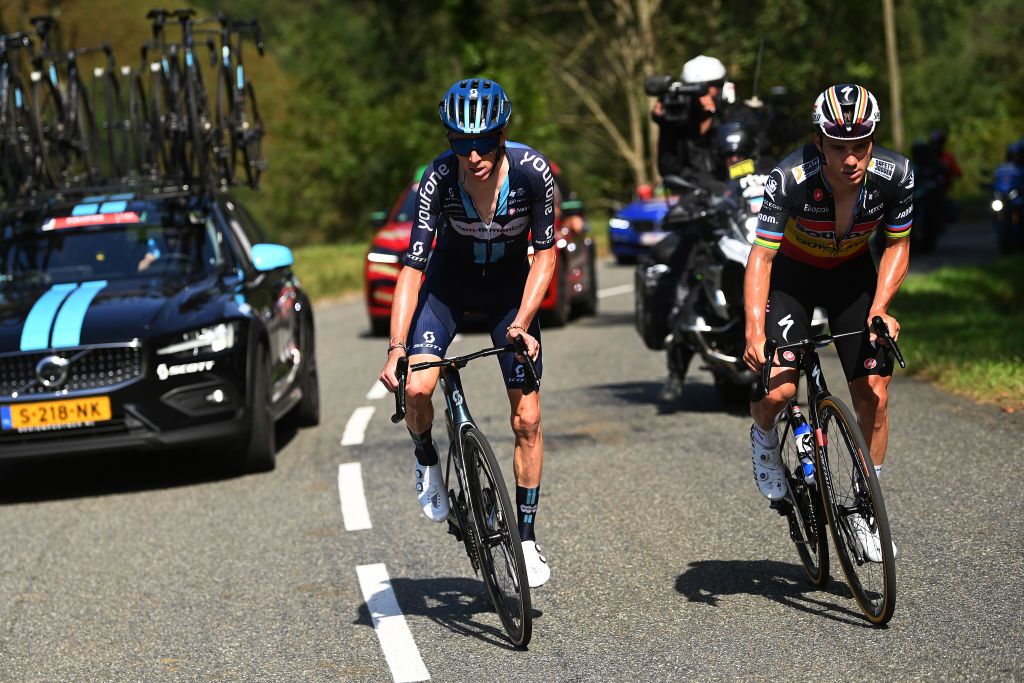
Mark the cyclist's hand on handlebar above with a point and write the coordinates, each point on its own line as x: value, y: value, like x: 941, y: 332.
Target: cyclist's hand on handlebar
x: 389, y: 376
x: 890, y: 322
x: 532, y: 345
x: 753, y: 355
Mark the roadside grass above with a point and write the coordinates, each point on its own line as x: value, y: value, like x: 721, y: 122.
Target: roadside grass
x: 963, y: 328
x: 328, y: 271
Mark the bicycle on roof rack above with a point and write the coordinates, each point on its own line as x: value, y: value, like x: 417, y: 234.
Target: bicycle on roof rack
x: 845, y: 491
x: 481, y: 514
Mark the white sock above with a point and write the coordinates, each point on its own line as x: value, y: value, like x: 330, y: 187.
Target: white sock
x: 769, y: 438
x: 878, y: 472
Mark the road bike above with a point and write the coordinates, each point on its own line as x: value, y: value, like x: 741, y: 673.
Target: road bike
x: 481, y: 515
x: 845, y: 491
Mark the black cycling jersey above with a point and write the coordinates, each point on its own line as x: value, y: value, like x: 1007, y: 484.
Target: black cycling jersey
x: 525, y: 215
x: 798, y: 215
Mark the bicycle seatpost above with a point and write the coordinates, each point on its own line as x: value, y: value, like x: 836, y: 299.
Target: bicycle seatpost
x: 402, y: 372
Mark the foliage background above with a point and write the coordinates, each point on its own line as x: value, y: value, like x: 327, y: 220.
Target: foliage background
x: 349, y: 89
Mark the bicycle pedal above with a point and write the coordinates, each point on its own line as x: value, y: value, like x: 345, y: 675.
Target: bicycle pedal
x: 455, y: 531
x: 783, y: 506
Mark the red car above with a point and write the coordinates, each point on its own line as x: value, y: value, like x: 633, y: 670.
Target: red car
x: 573, y: 288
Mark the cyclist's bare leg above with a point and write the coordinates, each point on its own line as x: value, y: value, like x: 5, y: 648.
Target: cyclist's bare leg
x: 529, y: 454
x: 782, y: 387
x: 419, y: 389
x: 870, y: 397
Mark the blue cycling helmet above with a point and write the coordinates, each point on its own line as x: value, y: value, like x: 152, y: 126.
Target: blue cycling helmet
x: 474, y: 106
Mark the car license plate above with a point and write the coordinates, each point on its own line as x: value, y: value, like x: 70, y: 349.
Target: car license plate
x: 55, y: 414
x: 651, y: 238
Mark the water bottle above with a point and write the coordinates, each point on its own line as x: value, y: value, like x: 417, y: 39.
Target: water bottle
x: 804, y: 445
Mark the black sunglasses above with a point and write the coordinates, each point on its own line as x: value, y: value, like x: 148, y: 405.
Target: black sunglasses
x: 483, y: 145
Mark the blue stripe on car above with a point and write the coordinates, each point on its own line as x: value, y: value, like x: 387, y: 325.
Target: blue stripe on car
x: 84, y: 209
x: 113, y: 207
x: 67, y: 330
x: 5, y: 417
x: 36, y: 333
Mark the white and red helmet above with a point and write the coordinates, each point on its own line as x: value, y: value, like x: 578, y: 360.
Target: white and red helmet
x: 846, y: 111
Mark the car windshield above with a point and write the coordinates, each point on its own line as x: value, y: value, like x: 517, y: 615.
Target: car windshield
x: 407, y: 210
x: 157, y: 245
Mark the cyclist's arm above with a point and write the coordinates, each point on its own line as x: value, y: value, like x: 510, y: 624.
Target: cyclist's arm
x: 771, y: 221
x: 537, y: 282
x: 895, y: 261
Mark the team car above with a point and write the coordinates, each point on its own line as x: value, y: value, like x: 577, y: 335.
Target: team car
x: 573, y: 288
x: 637, y: 227
x: 150, y: 320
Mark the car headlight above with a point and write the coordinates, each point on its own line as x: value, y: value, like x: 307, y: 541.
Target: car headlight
x: 997, y: 205
x: 618, y: 223
x: 379, y: 257
x: 204, y: 340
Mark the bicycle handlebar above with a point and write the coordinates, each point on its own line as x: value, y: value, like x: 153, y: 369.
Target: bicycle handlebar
x: 518, y: 346
x: 771, y: 346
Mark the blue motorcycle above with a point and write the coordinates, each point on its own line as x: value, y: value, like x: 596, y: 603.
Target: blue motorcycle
x: 1008, y: 207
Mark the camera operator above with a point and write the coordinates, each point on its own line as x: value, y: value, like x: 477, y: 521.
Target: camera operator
x: 686, y: 113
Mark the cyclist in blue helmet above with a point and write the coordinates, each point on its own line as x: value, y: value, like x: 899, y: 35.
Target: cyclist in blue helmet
x: 480, y: 206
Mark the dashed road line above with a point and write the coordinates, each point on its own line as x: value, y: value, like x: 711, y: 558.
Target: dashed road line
x: 353, y: 499
x: 395, y: 638
x: 614, y: 291
x: 355, y: 430
x: 377, y: 391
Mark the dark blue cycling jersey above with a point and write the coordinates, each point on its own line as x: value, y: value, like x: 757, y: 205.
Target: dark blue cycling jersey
x: 525, y: 214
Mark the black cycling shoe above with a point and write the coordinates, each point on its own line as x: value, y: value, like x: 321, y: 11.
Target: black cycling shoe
x: 671, y: 390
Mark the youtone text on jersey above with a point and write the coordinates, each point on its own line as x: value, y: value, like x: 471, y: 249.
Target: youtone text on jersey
x: 427, y: 191
x: 541, y: 167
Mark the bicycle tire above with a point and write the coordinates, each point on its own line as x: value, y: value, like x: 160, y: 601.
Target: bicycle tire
x: 806, y: 515
x: 15, y: 139
x: 48, y: 125
x: 504, y: 571
x: 251, y: 137
x: 850, y: 487
x: 197, y: 151
x: 139, y: 149
x: 113, y: 124
x: 83, y: 138
x: 226, y: 149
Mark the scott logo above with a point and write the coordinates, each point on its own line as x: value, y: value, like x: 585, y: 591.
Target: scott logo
x: 417, y: 249
x: 457, y: 397
x: 428, y: 337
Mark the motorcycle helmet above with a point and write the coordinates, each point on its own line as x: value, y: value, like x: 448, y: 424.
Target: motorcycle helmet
x: 846, y: 112
x: 733, y: 140
x: 475, y: 106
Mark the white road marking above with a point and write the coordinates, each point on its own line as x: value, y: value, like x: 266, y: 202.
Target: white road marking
x: 353, y: 499
x: 614, y: 291
x: 377, y: 391
x: 388, y: 621
x: 355, y: 430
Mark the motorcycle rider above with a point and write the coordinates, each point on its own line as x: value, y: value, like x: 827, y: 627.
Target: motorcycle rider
x: 688, y: 151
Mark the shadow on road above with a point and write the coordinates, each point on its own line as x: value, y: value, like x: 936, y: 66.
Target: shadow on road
x: 696, y: 398
x: 58, y: 477
x: 452, y: 602
x: 706, y: 581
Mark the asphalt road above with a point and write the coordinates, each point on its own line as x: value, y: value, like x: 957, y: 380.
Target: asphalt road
x: 667, y: 563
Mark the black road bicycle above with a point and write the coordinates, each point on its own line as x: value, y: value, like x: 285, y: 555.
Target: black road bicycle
x: 480, y: 512
x: 850, y: 496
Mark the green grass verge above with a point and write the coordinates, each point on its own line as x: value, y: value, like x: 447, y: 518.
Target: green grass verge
x: 963, y: 328
x: 328, y: 271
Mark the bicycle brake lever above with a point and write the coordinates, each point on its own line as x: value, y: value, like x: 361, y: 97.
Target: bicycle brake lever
x: 532, y: 382
x: 402, y: 371
x: 879, y: 327
x: 760, y: 389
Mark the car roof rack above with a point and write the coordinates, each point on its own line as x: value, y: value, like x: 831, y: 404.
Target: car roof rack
x: 48, y: 200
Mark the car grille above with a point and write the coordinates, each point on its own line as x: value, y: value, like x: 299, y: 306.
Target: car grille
x: 92, y: 367
x: 645, y: 226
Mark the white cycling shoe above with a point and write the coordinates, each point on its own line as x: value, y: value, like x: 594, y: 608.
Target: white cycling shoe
x: 430, y: 492
x: 537, y: 570
x: 768, y: 468
x: 868, y: 539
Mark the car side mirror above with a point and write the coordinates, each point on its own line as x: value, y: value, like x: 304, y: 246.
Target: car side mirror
x: 378, y: 219
x: 271, y: 256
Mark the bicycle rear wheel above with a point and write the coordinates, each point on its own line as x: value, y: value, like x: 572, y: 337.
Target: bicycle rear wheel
x: 48, y: 125
x: 850, y: 489
x: 806, y: 516
x: 501, y: 553
x: 251, y: 138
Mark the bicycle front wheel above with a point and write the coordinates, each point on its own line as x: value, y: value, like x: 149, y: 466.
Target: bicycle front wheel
x: 501, y: 553
x: 856, y: 511
x: 806, y: 516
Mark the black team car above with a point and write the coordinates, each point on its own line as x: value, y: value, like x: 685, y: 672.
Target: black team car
x: 150, y: 320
